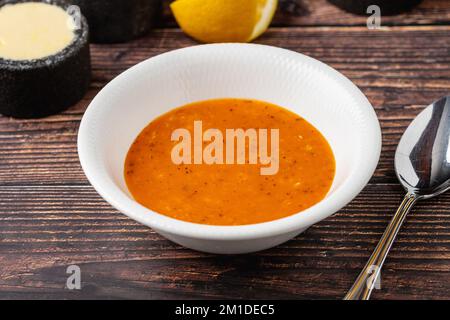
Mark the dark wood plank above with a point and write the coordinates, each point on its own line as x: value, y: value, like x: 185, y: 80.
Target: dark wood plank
x: 322, y: 13
x: 400, y: 70
x: 51, y: 218
x: 56, y: 226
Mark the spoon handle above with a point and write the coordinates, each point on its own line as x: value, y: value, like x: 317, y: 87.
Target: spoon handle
x: 366, y: 281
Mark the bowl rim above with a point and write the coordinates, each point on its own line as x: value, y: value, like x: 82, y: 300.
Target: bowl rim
x: 345, y: 193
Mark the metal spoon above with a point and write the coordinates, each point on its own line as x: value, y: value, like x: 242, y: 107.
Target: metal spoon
x: 422, y: 164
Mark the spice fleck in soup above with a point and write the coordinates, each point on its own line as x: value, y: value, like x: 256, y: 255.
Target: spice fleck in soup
x: 299, y: 174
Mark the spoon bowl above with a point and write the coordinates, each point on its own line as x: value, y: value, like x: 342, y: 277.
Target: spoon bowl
x: 422, y: 160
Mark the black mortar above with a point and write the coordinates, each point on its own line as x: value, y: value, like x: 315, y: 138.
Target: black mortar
x: 113, y: 21
x: 42, y: 87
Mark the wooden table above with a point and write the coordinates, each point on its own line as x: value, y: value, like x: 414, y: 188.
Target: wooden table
x: 50, y: 217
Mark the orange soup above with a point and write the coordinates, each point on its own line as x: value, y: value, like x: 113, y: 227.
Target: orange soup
x: 170, y: 173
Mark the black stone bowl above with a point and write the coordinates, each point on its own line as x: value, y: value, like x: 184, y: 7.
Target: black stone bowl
x: 42, y: 87
x: 114, y: 21
x: 388, y: 7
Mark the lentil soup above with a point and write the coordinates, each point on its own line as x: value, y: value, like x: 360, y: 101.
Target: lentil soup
x: 230, y: 194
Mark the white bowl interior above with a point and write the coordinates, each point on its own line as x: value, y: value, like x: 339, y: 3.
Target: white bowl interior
x: 303, y: 85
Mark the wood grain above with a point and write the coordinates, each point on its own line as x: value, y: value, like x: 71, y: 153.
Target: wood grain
x: 321, y: 13
x: 50, y: 217
x: 55, y: 226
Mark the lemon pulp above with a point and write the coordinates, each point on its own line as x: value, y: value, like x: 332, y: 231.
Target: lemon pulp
x: 224, y: 20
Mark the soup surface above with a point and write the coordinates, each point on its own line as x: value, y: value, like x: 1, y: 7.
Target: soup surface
x: 230, y: 194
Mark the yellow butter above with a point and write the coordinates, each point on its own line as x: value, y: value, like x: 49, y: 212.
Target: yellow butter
x: 34, y: 30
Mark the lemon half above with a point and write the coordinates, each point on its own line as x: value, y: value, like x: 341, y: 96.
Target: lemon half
x: 224, y: 20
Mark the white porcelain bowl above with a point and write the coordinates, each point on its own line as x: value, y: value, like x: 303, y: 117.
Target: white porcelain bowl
x: 304, y: 85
